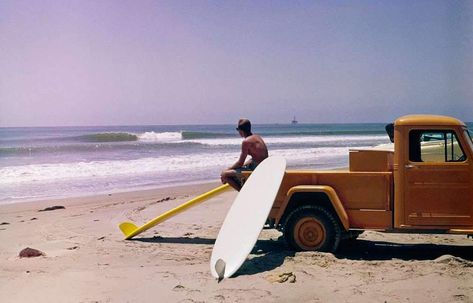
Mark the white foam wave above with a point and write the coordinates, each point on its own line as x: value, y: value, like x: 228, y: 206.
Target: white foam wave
x: 295, y: 139
x: 298, y: 156
x: 176, y: 137
x: 97, y: 169
x: 160, y: 137
x: 37, y: 173
x: 29, y: 182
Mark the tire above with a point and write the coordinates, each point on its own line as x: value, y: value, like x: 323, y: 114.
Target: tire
x: 312, y: 228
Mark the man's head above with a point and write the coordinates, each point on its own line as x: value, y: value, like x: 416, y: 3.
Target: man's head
x: 244, y: 127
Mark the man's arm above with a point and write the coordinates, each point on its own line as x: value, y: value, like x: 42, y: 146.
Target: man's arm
x: 243, y: 155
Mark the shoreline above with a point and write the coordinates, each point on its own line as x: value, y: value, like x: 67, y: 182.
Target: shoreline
x: 139, y: 189
x: 109, y: 192
x: 141, y: 193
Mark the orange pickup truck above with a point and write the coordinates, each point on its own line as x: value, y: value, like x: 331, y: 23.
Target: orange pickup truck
x: 422, y: 185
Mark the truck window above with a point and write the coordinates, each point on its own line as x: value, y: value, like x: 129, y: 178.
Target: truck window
x: 468, y: 136
x: 435, y: 146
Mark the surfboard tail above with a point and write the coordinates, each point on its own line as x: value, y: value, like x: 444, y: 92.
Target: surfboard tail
x: 220, y: 269
x: 127, y: 229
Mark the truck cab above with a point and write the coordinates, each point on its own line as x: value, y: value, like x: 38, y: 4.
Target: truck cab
x: 424, y: 183
x: 433, y: 174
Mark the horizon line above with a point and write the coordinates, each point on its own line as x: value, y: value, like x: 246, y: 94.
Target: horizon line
x: 194, y: 124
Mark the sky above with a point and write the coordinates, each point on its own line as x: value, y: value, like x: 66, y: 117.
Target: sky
x: 66, y: 63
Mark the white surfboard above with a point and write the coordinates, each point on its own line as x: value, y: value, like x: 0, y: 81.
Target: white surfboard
x: 246, y: 218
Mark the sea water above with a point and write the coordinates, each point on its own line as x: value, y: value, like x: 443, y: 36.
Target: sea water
x: 50, y: 162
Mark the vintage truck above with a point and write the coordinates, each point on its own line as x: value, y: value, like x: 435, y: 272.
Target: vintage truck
x: 422, y: 185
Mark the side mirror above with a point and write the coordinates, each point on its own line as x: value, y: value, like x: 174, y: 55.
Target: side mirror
x: 390, y: 131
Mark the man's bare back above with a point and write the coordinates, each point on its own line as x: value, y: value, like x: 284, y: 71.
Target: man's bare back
x: 252, y: 145
x: 256, y: 148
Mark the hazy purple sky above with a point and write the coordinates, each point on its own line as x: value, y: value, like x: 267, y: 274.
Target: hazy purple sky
x: 176, y: 62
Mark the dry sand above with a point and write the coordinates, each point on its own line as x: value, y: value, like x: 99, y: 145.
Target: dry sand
x: 87, y: 260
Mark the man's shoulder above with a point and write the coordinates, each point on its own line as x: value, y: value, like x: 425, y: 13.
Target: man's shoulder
x: 253, y: 137
x: 250, y: 139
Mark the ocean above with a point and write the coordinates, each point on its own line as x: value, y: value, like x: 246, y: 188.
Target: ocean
x: 53, y: 162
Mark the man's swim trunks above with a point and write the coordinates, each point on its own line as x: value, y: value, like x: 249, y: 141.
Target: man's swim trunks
x: 250, y: 167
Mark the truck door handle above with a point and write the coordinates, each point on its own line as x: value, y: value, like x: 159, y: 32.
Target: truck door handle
x: 410, y: 166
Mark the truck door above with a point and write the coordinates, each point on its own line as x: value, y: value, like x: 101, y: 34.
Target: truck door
x: 438, y: 180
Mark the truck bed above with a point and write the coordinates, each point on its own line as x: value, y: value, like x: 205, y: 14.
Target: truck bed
x: 366, y: 196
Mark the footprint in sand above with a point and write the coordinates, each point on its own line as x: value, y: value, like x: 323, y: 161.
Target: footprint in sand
x: 178, y: 287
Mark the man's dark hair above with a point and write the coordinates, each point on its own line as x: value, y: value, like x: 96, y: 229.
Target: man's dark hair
x: 244, y: 125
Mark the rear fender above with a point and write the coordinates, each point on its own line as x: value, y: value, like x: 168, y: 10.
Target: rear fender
x: 324, y: 189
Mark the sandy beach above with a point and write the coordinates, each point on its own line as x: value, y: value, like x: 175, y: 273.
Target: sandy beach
x: 87, y: 260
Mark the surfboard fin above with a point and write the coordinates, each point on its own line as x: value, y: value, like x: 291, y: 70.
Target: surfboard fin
x: 220, y: 269
x: 128, y: 228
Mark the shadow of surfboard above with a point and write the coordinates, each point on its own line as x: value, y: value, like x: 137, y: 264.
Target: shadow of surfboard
x: 266, y: 255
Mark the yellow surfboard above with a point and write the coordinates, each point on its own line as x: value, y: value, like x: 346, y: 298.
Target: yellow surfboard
x: 130, y: 230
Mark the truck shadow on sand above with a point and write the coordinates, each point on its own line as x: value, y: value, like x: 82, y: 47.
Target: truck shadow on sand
x: 380, y: 250
x: 270, y: 254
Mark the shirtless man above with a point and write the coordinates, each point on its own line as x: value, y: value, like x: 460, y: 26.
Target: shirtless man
x: 252, y: 145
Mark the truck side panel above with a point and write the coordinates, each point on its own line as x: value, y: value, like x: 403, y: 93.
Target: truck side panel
x: 366, y: 196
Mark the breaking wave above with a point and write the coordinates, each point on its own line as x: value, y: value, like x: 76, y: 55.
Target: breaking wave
x: 160, y: 137
x: 199, y: 162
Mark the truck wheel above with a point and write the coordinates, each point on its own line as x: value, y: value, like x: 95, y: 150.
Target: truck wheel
x: 312, y: 227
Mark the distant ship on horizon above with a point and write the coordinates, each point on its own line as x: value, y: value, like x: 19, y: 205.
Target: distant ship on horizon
x: 294, y: 121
